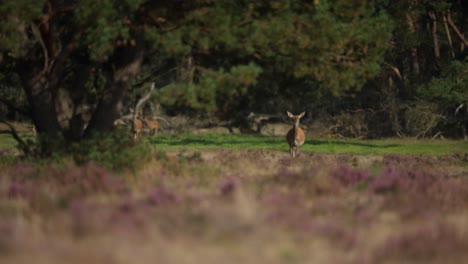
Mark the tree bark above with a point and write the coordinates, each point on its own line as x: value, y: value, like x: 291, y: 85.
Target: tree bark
x: 459, y: 34
x: 40, y: 99
x: 435, y: 38
x: 127, y: 65
x: 413, y: 50
x: 449, y: 38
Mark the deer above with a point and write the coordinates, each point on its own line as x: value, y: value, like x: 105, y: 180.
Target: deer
x: 153, y: 125
x: 137, y: 127
x: 295, y: 136
x: 137, y: 124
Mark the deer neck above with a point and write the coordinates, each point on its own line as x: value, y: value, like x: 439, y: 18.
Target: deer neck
x: 295, y: 128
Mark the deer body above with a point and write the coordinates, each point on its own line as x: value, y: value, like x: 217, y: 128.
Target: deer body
x: 153, y: 126
x: 295, y: 136
x: 137, y: 127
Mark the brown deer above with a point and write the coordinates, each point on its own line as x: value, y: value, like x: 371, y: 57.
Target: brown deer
x: 137, y: 127
x: 153, y: 126
x: 295, y: 136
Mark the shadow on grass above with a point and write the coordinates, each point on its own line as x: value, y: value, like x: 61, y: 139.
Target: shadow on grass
x: 351, y: 143
x: 214, y: 142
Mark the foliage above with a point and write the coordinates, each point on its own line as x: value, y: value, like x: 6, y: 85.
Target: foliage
x: 448, y: 90
x: 421, y: 118
x: 224, y: 59
x: 114, y: 151
x: 16, y: 12
x: 349, y: 125
x: 214, y: 90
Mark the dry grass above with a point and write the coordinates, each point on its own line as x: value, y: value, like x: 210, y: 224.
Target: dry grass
x: 238, y: 206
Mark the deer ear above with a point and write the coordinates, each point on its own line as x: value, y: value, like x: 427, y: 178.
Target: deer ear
x: 289, y: 114
x: 302, y: 114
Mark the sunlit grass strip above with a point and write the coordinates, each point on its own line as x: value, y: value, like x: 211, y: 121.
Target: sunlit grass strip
x: 386, y: 146
x: 355, y: 146
x: 7, y: 141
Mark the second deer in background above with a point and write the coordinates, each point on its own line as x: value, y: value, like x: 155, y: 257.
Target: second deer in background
x: 153, y: 126
x: 295, y: 136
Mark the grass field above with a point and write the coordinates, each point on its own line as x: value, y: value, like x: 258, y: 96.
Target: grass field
x: 241, y: 199
x: 386, y: 146
x: 316, y: 145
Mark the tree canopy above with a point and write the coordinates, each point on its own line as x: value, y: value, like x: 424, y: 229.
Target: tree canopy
x: 74, y: 66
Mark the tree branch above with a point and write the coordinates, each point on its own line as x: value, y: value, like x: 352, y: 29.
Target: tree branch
x: 460, y: 35
x: 449, y: 38
x: 435, y: 39
x: 15, y: 135
x: 37, y: 35
x: 139, y: 104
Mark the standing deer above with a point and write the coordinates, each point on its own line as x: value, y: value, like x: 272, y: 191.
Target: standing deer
x: 295, y: 136
x: 137, y: 127
x: 153, y: 126
x: 139, y: 124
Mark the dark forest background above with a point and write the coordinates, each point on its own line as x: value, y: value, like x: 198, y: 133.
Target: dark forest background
x: 362, y: 68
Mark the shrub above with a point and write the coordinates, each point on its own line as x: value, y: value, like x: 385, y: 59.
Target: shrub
x: 349, y: 125
x: 421, y: 118
x: 114, y: 151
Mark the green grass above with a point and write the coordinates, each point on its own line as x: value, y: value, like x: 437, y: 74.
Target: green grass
x: 355, y: 146
x: 7, y: 141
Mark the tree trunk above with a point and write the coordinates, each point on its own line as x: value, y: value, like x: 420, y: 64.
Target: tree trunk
x: 41, y: 101
x: 435, y: 38
x: 126, y: 66
x: 82, y: 108
x: 449, y: 38
x: 413, y: 51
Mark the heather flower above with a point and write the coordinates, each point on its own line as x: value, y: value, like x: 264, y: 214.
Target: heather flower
x: 19, y: 190
x: 349, y: 176
x: 388, y: 180
x: 88, y: 178
x: 23, y: 169
x: 127, y: 206
x: 161, y: 196
x: 229, y: 185
x: 424, y: 243
x: 77, y: 211
x: 8, y: 234
x: 335, y: 232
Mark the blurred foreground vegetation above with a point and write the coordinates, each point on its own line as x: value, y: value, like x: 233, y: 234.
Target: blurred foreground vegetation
x: 231, y: 206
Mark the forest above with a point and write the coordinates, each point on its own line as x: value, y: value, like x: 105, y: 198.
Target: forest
x: 139, y: 131
x: 360, y: 68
